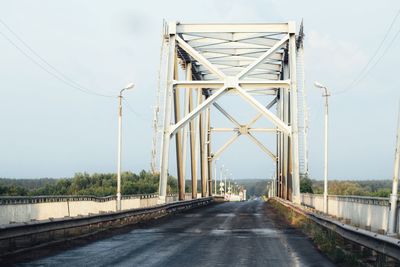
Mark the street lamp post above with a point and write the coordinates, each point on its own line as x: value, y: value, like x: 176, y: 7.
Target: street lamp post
x: 128, y: 87
x: 395, y: 184
x: 230, y: 180
x: 326, y: 95
x: 225, y: 186
x: 220, y: 176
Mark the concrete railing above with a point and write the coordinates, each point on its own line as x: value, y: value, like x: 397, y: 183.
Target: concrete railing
x: 25, y: 209
x: 368, y: 212
x: 364, y: 246
x: 26, y: 236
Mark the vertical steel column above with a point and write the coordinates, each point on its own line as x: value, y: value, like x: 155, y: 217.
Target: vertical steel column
x: 282, y: 174
x: 167, y: 117
x: 294, y: 118
x: 178, y: 135
x: 185, y: 129
x: 289, y: 180
x: 203, y: 149
x: 193, y: 131
x: 283, y: 154
x: 285, y: 145
x: 277, y: 169
x: 278, y: 149
x: 289, y: 177
x: 209, y: 158
x: 199, y: 99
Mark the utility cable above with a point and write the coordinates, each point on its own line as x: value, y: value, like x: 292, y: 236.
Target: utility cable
x: 130, y: 108
x: 58, y: 74
x: 365, y: 70
x: 383, y: 54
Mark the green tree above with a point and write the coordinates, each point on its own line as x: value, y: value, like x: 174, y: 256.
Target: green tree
x: 306, y: 185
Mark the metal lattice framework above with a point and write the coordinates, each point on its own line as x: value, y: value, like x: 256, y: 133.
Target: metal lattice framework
x: 206, y: 62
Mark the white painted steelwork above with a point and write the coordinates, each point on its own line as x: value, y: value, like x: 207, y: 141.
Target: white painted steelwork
x: 243, y: 60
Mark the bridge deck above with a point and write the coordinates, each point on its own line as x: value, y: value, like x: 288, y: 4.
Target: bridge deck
x: 228, y: 234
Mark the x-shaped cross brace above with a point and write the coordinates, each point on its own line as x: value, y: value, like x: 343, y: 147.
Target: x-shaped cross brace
x: 243, y: 130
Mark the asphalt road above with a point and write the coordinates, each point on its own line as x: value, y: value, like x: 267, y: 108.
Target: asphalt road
x: 227, y: 234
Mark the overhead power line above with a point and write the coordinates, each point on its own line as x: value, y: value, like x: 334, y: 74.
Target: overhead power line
x: 131, y: 109
x: 382, y: 55
x: 55, y: 72
x: 367, y: 68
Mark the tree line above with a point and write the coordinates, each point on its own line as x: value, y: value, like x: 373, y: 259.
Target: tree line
x: 104, y: 184
x: 373, y: 188
x: 96, y: 184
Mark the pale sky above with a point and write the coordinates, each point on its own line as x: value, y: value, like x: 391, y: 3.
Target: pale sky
x: 51, y: 130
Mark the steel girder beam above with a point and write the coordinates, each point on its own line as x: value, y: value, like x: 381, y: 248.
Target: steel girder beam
x: 214, y: 85
x: 265, y: 130
x: 237, y: 28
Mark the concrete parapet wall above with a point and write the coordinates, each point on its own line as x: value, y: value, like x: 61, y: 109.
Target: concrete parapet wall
x: 369, y: 212
x: 16, y: 238
x: 25, y: 209
x: 345, y: 244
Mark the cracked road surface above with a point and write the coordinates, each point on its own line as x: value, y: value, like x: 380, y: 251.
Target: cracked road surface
x: 227, y: 234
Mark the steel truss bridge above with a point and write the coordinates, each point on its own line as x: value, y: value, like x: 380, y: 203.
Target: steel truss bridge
x: 204, y: 63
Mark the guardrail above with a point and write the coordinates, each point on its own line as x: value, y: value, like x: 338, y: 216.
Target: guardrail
x: 369, y: 212
x: 10, y: 200
x: 21, y: 237
x: 382, y: 244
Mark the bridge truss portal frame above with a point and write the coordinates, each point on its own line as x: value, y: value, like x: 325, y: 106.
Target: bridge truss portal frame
x: 208, y: 61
